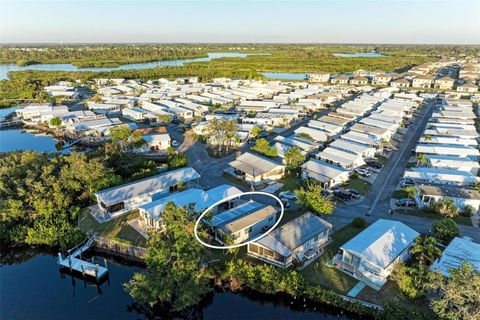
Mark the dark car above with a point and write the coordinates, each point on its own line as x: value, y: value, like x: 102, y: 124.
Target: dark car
x: 406, y: 202
x: 342, y: 194
x: 355, y: 194
x: 374, y: 164
x: 175, y: 121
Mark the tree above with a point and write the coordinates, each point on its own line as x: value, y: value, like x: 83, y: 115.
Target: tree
x: 262, y: 146
x: 56, y: 122
x: 294, y: 158
x: 445, y: 230
x: 422, y: 159
x: 176, y: 161
x: 427, y: 137
x: 310, y: 198
x: 256, y: 131
x: 425, y: 250
x: 411, y: 191
x: 221, y: 132
x: 459, y: 295
x: 175, y: 275
x: 414, y: 281
x: 446, y: 207
x: 42, y: 195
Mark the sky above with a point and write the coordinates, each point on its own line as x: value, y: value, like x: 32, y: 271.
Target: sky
x: 321, y: 21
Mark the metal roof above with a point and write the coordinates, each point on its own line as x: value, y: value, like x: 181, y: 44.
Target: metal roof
x: 382, y: 242
x: 234, y: 213
x: 254, y: 164
x: 285, y: 239
x: 148, y: 185
x: 458, y: 251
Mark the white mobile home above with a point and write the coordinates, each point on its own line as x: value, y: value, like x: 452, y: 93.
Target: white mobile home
x: 115, y: 201
x: 440, y: 176
x: 194, y: 199
x: 462, y: 197
x: 255, y: 169
x: 372, y: 254
x: 353, y: 147
x: 458, y: 251
x: 340, y: 158
x: 327, y: 174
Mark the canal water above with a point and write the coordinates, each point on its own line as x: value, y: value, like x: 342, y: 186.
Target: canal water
x: 5, y: 68
x: 17, y: 139
x: 32, y: 287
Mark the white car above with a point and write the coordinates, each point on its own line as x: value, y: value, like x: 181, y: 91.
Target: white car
x: 363, y: 172
x: 289, y: 195
x: 174, y: 143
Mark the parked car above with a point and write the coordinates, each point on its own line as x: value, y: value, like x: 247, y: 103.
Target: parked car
x: 327, y: 193
x: 285, y: 202
x: 263, y: 134
x: 355, y: 194
x: 342, y: 194
x: 362, y: 172
x: 405, y: 182
x: 374, y: 170
x: 406, y: 202
x: 289, y: 195
x: 374, y: 164
x: 175, y: 143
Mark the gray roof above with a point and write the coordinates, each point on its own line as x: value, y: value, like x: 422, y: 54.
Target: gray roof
x: 249, y: 219
x: 449, y: 191
x: 295, y: 233
x: 145, y: 186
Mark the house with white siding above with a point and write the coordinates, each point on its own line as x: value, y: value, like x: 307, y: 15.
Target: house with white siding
x: 118, y: 200
x: 372, y: 254
x: 328, y: 175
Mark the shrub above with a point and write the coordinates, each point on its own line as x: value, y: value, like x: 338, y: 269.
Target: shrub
x: 467, y: 211
x: 359, y: 223
x: 445, y: 230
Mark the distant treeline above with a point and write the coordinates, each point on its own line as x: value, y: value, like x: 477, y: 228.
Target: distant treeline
x: 280, y: 58
x: 97, y: 56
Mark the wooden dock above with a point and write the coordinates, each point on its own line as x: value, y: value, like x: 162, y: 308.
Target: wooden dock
x: 76, y: 264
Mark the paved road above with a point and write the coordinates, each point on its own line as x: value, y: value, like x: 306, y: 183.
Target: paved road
x: 376, y: 203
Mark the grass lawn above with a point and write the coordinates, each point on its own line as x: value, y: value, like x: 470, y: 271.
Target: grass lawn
x: 414, y: 212
x: 290, y: 182
x: 235, y: 180
x: 399, y: 194
x: 360, y: 185
x: 116, y: 229
x: 318, y: 273
x: 390, y: 293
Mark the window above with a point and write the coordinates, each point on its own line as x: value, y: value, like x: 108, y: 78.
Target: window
x: 253, y: 248
x: 116, y: 207
x: 270, y: 218
x: 315, y: 239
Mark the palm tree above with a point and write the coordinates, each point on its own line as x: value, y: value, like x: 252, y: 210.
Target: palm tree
x: 411, y: 191
x: 425, y: 250
x: 422, y: 159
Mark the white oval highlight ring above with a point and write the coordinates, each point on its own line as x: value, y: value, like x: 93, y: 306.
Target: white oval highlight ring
x: 234, y: 197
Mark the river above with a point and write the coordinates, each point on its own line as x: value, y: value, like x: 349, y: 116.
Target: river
x: 32, y: 287
x: 5, y: 68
